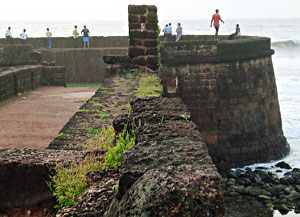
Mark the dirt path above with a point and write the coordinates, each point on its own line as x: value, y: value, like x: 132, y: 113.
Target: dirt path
x: 34, y: 119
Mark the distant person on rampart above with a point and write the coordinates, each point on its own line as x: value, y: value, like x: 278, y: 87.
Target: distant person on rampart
x: 165, y: 30
x: 179, y: 32
x: 169, y: 31
x: 216, y: 18
x: 237, y: 32
x: 75, y: 36
x: 48, y: 35
x: 8, y: 35
x: 86, y: 33
x: 24, y: 35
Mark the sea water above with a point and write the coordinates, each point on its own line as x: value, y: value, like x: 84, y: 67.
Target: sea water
x: 285, y: 35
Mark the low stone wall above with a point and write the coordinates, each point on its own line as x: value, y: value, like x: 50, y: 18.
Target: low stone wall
x: 168, y: 172
x: 82, y: 65
x: 16, y: 80
x: 24, y: 173
x: 230, y: 89
x: 68, y: 42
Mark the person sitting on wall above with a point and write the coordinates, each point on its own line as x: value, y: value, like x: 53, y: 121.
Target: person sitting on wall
x: 179, y: 32
x: 75, y: 36
x: 48, y: 35
x: 237, y: 32
x: 216, y: 19
x: 86, y: 33
x: 169, y: 32
x: 24, y: 35
x: 8, y: 35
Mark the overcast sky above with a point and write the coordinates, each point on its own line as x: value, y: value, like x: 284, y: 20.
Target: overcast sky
x: 168, y: 9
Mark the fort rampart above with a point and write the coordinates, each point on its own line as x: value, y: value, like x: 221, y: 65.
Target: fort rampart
x: 230, y: 89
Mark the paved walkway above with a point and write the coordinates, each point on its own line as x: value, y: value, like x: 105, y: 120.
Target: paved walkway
x: 33, y: 120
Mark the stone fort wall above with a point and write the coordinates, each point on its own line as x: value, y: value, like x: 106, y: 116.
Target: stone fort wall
x: 230, y: 89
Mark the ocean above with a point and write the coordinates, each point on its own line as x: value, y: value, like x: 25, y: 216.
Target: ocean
x: 285, y: 35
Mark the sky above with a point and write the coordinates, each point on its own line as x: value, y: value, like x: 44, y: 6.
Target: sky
x: 167, y: 9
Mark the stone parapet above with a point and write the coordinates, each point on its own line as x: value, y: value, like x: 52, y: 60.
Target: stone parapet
x: 14, y: 80
x: 206, y: 50
x: 68, y: 42
x: 232, y: 96
x: 168, y: 172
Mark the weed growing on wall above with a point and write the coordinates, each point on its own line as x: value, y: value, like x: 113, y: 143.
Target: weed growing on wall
x: 125, y: 141
x: 149, y: 86
x: 63, y: 135
x: 69, y: 183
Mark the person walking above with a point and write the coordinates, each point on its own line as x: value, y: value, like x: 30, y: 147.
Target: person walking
x: 179, y: 32
x: 48, y: 35
x: 24, y: 35
x: 86, y: 33
x: 8, y: 35
x: 216, y: 18
x: 75, y: 36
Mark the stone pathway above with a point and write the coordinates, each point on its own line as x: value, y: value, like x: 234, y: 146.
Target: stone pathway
x: 34, y: 119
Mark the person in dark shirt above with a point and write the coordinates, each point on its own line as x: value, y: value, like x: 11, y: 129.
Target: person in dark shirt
x: 237, y: 32
x: 86, y: 33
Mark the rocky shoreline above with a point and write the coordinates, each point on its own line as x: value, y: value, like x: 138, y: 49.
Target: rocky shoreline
x: 267, y: 188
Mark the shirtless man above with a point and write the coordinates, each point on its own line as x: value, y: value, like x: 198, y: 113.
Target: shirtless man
x: 216, y: 19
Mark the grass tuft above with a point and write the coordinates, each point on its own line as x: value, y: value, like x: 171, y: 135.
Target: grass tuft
x: 149, y: 86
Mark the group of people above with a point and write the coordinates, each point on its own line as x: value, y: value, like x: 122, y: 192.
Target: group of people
x: 216, y: 18
x: 168, y: 32
x: 85, y: 32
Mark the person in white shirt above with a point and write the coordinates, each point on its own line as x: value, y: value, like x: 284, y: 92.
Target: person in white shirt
x: 24, y: 35
x: 8, y: 35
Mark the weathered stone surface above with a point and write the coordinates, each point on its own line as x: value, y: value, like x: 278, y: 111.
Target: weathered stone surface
x: 283, y: 165
x: 24, y: 172
x: 157, y: 182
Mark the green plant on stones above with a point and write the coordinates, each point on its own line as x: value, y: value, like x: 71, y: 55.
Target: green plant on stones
x: 115, y: 187
x: 69, y: 183
x: 126, y: 106
x: 93, y: 131
x: 149, y: 86
x: 186, y: 116
x: 103, y: 140
x: 63, y: 135
x: 125, y: 140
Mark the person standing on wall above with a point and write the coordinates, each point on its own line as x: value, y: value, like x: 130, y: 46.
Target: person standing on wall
x: 24, y: 35
x: 179, y: 32
x: 8, y: 35
x: 165, y: 32
x: 48, y: 35
x: 216, y: 19
x: 75, y: 36
x: 86, y: 33
x: 169, y: 32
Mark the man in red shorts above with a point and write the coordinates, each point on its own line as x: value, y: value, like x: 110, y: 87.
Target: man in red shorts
x: 216, y: 19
